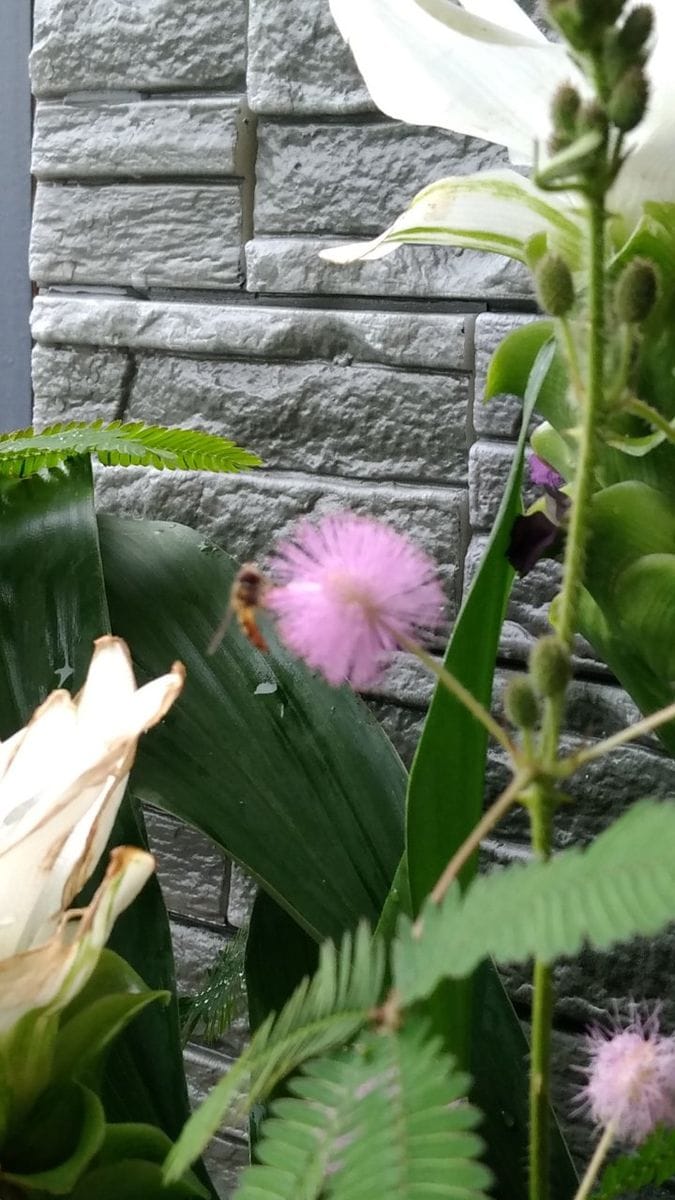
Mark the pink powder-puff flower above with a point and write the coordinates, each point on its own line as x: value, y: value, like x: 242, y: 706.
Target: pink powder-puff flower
x: 348, y: 591
x: 631, y: 1078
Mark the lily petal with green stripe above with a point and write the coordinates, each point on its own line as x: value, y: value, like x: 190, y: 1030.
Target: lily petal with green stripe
x: 497, y: 211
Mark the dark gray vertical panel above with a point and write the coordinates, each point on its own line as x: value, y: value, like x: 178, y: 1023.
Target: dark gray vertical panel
x: 15, y: 203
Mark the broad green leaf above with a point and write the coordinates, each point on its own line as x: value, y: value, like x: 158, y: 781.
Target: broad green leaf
x: 26, y: 1060
x: 83, y: 1040
x: 134, y: 1179
x: 622, y: 886
x: 57, y: 1141
x: 628, y: 520
x: 652, y: 238
x: 512, y: 362
x: 386, y: 1118
x: 497, y: 211
x: 134, y: 444
x: 651, y: 1163
x: 649, y: 689
x: 323, y: 1013
x: 257, y: 742
x: 52, y: 607
x: 645, y: 605
x: 446, y: 787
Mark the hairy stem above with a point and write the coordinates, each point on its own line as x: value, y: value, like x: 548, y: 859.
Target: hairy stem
x: 462, y: 694
x: 593, y: 1168
x: 590, y: 406
x: 652, y: 416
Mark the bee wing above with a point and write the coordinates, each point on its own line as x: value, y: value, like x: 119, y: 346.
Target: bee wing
x: 220, y: 631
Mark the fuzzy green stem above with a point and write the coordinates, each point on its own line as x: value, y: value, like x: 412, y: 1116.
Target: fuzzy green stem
x: 590, y: 406
x: 593, y: 1169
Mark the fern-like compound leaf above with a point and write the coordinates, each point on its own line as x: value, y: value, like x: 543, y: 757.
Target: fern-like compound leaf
x: 623, y: 885
x: 25, y: 452
x: 388, y: 1117
x: 325, y: 1010
x: 650, y: 1164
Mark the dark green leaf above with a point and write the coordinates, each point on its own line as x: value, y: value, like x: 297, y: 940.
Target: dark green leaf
x: 83, y: 1040
x: 52, y: 607
x: 57, y: 1141
x: 24, y: 452
x: 256, y: 742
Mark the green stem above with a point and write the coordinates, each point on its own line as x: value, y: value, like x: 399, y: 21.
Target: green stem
x: 541, y: 807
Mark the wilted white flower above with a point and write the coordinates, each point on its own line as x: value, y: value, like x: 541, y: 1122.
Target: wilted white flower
x: 62, y: 779
x: 483, y: 68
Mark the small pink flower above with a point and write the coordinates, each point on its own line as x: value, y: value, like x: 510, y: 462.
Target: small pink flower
x: 543, y: 474
x: 350, y: 590
x: 631, y: 1078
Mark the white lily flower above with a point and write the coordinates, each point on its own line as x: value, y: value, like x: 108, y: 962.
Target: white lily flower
x: 62, y: 779
x: 483, y: 68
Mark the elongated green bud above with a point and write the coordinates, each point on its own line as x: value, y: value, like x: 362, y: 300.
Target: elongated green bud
x: 628, y: 102
x: 637, y: 28
x: 636, y: 291
x: 565, y: 110
x: 521, y: 704
x: 550, y: 667
x: 555, y: 288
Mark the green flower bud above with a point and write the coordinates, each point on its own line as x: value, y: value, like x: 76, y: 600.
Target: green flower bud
x: 521, y: 704
x: 601, y: 12
x: 636, y: 291
x: 565, y: 14
x: 628, y: 101
x: 637, y: 29
x: 550, y: 667
x: 565, y: 110
x: 555, y: 288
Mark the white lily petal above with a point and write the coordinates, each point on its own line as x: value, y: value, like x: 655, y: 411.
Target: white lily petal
x: 52, y: 973
x: 41, y: 758
x: 151, y: 703
x: 507, y: 13
x: 35, y: 866
x: 429, y: 62
x: 498, y: 211
x: 108, y: 690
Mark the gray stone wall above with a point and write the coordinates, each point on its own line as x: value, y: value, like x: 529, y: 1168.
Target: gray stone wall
x: 191, y: 160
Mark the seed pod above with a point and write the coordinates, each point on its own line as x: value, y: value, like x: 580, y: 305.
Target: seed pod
x: 555, y: 288
x: 636, y: 291
x: 521, y: 704
x: 628, y: 102
x: 550, y: 667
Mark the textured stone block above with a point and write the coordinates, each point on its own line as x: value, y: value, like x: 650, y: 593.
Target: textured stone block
x: 225, y: 1159
x: 75, y: 384
x: 140, y: 235
x: 243, y: 891
x: 298, y: 62
x: 292, y: 265
x: 152, y: 45
x: 204, y: 1068
x: 100, y: 138
x: 435, y: 340
x: 352, y: 179
x: 367, y: 422
x: 190, y: 868
x: 501, y: 417
x: 195, y: 949
x: 247, y: 513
